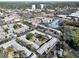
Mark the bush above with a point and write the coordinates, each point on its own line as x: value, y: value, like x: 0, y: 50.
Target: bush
x: 15, y: 26
x: 71, y: 23
x: 41, y: 37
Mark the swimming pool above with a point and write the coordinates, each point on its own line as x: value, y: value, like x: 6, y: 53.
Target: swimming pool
x: 54, y: 23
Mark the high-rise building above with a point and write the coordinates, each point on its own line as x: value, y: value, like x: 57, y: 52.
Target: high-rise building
x: 33, y: 7
x: 42, y: 6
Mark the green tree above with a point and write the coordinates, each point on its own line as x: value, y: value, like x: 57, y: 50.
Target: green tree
x: 15, y: 26
x: 29, y: 36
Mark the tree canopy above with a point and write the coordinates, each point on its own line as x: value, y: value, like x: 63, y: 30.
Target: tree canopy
x: 29, y: 36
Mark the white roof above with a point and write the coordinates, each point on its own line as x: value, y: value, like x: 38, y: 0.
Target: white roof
x: 8, y: 18
x: 64, y: 16
x: 50, y: 43
x: 16, y: 46
x: 1, y: 29
x: 46, y: 20
x: 1, y: 13
x: 17, y: 19
x: 28, y: 42
x: 2, y: 35
x: 50, y: 28
x: 19, y: 30
x: 5, y: 45
x: 35, y: 31
x: 23, y: 25
x: 76, y: 14
x: 19, y: 47
x: 5, y: 26
x: 22, y: 29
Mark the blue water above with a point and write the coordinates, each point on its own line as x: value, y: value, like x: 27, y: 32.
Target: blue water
x: 54, y: 23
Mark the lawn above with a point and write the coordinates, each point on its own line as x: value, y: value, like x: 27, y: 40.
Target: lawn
x: 75, y: 32
x: 68, y: 54
x: 37, y: 38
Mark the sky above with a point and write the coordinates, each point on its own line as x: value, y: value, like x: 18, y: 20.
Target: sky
x: 39, y: 0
